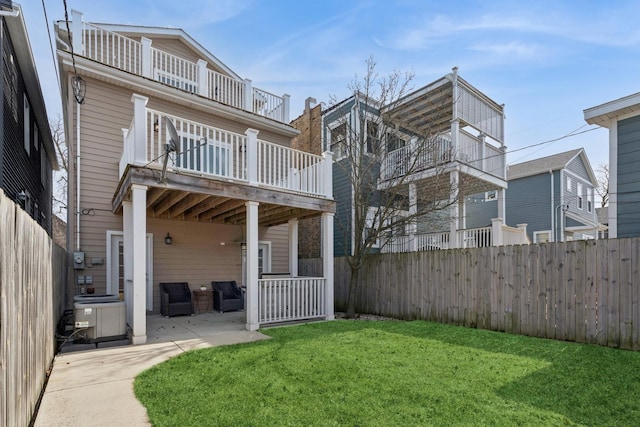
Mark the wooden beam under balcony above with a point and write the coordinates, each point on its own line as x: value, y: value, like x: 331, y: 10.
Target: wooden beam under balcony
x: 195, y: 198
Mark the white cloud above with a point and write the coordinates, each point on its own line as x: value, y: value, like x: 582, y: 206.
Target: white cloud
x: 520, y: 49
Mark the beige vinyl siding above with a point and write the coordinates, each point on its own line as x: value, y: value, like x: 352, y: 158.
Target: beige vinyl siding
x: 175, y: 47
x: 279, y: 238
x: 196, y: 255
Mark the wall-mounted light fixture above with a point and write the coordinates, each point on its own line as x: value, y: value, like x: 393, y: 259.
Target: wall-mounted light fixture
x: 79, y: 89
x: 156, y: 126
x: 22, y: 196
x: 168, y: 240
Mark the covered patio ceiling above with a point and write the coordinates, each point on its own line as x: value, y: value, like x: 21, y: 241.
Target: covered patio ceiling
x: 194, y: 198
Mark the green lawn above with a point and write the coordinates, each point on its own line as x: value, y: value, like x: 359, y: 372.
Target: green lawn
x: 367, y: 373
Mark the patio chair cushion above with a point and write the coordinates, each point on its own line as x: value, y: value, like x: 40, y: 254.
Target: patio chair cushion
x: 175, y: 299
x: 227, y: 296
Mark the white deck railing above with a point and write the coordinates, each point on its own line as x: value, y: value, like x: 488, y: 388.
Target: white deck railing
x: 218, y: 153
x: 471, y: 151
x: 496, y: 235
x: 138, y: 57
x: 284, y: 300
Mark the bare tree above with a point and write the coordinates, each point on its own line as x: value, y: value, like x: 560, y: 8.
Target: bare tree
x: 380, y: 159
x: 602, y: 175
x: 61, y: 177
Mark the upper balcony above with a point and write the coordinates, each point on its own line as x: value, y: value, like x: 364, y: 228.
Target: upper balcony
x: 139, y: 57
x: 205, y: 151
x: 461, y: 127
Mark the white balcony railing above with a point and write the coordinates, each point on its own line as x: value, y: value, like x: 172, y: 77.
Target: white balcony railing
x: 496, y: 235
x: 284, y: 300
x: 471, y: 150
x: 139, y: 57
x: 218, y: 153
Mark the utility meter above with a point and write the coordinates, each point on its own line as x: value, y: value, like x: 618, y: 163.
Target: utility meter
x: 78, y: 260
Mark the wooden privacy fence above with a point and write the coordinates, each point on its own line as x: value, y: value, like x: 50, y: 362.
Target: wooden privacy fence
x: 585, y: 291
x: 32, y: 271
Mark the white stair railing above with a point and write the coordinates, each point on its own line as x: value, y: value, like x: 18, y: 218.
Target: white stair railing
x: 289, y: 299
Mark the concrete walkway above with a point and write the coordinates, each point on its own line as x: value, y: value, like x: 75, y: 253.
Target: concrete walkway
x: 96, y: 387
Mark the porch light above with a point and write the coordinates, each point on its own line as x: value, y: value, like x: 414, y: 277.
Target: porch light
x: 156, y: 126
x: 22, y: 196
x: 168, y: 240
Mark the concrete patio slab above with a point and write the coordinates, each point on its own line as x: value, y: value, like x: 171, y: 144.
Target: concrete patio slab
x: 96, y: 387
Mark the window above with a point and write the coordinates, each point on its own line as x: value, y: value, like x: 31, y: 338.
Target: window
x: 394, y: 142
x: 212, y: 157
x: 589, y: 199
x: 175, y: 81
x: 10, y: 80
x: 36, y: 143
x: 569, y: 184
x: 579, y: 191
x: 338, y: 140
x: 43, y: 168
x: 370, y: 229
x: 373, y: 140
x: 27, y: 126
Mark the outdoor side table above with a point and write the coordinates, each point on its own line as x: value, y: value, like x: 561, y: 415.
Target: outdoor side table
x: 203, y: 300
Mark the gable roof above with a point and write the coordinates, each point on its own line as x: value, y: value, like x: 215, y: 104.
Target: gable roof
x: 553, y: 162
x: 601, y: 115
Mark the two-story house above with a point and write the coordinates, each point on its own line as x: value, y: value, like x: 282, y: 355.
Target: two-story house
x: 552, y: 195
x: 445, y: 132
x: 27, y: 152
x: 182, y: 171
x: 622, y: 118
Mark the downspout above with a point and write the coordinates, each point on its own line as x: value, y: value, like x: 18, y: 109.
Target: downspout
x: 77, y: 176
x: 553, y: 210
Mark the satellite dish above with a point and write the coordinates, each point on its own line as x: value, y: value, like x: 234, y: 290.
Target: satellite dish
x: 174, y: 139
x: 173, y: 145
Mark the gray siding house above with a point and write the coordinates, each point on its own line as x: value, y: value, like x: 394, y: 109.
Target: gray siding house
x: 553, y: 195
x: 27, y: 154
x: 622, y: 118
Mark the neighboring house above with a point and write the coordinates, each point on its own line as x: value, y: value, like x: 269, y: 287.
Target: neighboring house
x: 27, y: 153
x: 467, y: 130
x: 552, y: 195
x: 622, y: 118
x: 224, y: 206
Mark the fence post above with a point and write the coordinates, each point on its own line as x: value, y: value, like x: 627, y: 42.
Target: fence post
x: 203, y: 81
x: 496, y: 232
x: 76, y: 32
x: 145, y: 57
x: 252, y: 156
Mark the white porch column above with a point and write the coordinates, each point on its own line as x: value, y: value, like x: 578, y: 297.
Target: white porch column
x: 293, y: 247
x: 413, y: 223
x: 502, y: 209
x: 145, y: 59
x: 76, y: 32
x: 127, y: 243
x: 252, y: 267
x: 139, y: 129
x: 455, y: 192
x: 203, y: 81
x: 327, y: 262
x: 482, y: 153
x: 139, y: 267
x: 455, y: 131
x: 248, y: 95
x: 252, y: 156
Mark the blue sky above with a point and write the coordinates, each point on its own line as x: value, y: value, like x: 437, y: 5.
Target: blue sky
x: 545, y: 60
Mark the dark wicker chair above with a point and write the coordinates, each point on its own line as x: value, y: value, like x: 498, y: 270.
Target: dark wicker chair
x: 175, y: 299
x: 227, y: 296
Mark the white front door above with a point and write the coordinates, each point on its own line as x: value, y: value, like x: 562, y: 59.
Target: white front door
x: 115, y: 266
